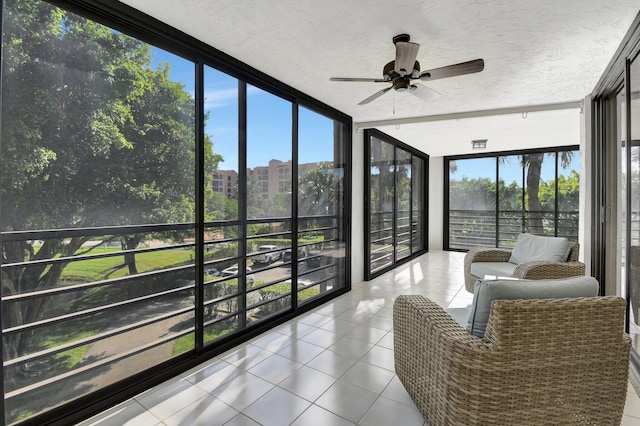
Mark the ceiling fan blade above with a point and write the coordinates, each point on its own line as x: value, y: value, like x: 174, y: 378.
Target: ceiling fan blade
x: 368, y: 80
x: 462, y: 68
x: 375, y: 96
x: 406, y: 53
x: 423, y: 92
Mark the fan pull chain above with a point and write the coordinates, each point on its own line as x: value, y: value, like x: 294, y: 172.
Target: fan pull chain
x: 394, y: 103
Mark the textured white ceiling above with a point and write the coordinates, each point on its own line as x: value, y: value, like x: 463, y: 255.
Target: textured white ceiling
x: 535, y: 53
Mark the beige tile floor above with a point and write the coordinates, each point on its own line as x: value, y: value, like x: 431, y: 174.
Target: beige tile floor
x: 330, y: 367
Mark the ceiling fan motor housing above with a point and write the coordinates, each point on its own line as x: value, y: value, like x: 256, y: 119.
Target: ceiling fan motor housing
x: 389, y: 73
x: 401, y: 84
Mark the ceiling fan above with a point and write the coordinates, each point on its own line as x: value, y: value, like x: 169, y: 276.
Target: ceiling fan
x: 404, y: 69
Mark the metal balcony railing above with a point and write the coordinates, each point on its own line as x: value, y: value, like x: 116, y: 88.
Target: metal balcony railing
x: 94, y: 311
x: 488, y: 228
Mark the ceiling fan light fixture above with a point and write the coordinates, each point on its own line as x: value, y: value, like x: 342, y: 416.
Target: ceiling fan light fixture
x: 406, y: 53
x: 478, y: 144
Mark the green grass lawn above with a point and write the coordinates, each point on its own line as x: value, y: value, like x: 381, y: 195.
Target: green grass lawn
x: 113, y: 267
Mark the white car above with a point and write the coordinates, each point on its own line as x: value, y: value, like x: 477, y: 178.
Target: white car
x: 233, y: 270
x: 271, y: 254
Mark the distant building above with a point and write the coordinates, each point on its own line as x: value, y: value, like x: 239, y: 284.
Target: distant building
x: 271, y: 179
x: 225, y: 181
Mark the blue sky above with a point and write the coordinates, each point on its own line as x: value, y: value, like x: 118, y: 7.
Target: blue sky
x: 510, y: 170
x: 268, y: 118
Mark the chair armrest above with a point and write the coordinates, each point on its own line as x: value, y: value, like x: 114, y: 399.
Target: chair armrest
x: 487, y: 255
x: 482, y: 254
x: 548, y: 270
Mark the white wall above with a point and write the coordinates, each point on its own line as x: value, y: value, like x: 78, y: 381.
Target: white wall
x: 436, y: 194
x: 436, y: 200
x: 357, y: 208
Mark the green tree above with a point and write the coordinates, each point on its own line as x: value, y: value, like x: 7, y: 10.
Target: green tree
x: 316, y: 190
x: 91, y: 136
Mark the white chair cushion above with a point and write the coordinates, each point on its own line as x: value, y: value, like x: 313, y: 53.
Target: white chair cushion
x: 537, y: 248
x: 499, y: 269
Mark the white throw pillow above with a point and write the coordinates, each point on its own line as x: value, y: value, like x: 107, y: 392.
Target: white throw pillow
x: 534, y: 247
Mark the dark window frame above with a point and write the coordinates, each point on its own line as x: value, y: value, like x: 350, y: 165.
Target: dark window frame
x: 369, y: 274
x: 615, y: 78
x: 130, y: 21
x: 447, y: 186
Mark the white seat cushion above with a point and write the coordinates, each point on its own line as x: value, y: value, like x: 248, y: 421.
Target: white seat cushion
x: 500, y: 269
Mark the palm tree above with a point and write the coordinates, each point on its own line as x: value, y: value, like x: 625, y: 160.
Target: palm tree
x: 533, y: 165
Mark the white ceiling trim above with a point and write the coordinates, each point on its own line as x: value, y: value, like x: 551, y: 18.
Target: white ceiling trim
x: 470, y: 114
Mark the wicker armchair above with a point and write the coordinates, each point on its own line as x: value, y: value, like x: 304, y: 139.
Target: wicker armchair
x: 526, y: 270
x: 541, y: 362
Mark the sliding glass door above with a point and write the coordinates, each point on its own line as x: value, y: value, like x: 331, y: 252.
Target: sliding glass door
x: 395, y: 202
x: 615, y: 255
x: 627, y: 113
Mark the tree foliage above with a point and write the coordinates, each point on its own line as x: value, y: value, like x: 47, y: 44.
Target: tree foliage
x: 92, y: 135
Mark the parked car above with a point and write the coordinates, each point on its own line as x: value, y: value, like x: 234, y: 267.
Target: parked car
x: 271, y: 254
x: 286, y: 257
x: 315, y: 258
x: 233, y: 270
x: 212, y: 272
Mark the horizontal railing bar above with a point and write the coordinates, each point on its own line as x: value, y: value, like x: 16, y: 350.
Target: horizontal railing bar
x: 221, y: 299
x: 222, y: 223
x: 222, y: 260
x: 267, y: 236
x: 265, y: 285
x: 45, y: 234
x: 315, y: 284
x: 90, y: 367
x: 94, y: 338
x: 380, y: 240
x: 84, y: 257
x: 318, y: 217
x: 220, y: 319
x: 87, y: 312
x: 259, y: 220
x: 319, y: 268
x: 86, y: 286
x: 220, y: 241
x: 317, y: 230
x: 311, y: 271
x: 266, y: 302
x: 383, y: 229
x: 384, y: 250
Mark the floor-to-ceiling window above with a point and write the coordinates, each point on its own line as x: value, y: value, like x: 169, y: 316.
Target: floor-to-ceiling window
x: 157, y: 206
x: 395, y: 197
x: 490, y: 199
x: 633, y: 197
x: 615, y: 141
